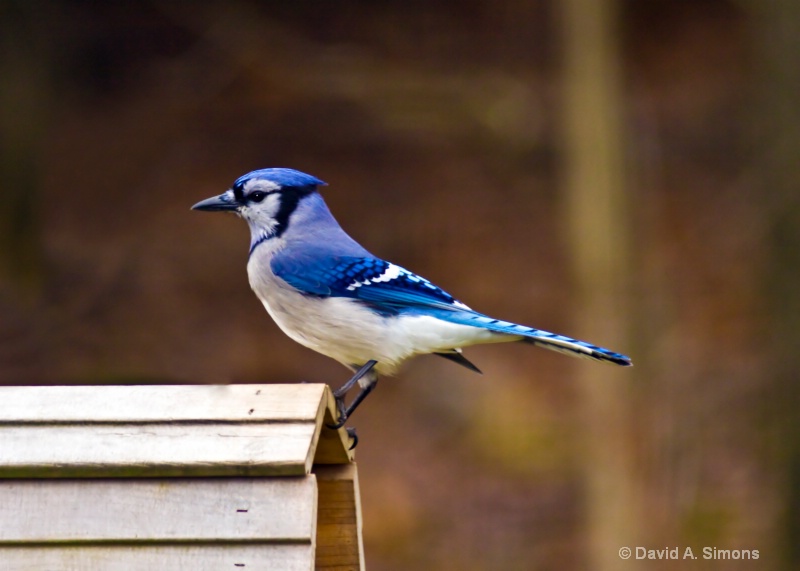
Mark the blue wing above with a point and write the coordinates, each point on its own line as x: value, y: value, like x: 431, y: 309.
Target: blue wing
x: 386, y: 287
x: 389, y: 289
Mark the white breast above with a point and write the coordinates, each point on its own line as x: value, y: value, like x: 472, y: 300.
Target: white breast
x: 349, y: 332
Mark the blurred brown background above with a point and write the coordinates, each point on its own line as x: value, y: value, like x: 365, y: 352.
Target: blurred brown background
x: 621, y: 171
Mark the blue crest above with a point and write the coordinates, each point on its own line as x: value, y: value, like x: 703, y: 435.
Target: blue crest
x: 285, y: 178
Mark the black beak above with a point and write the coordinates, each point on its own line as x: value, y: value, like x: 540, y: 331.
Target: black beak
x: 223, y: 202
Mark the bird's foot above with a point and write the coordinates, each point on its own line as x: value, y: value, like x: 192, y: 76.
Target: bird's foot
x: 344, y: 411
x: 341, y: 393
x: 341, y: 408
x: 351, y: 431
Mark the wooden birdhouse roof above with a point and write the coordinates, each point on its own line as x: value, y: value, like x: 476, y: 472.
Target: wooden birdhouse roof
x: 168, y: 430
x: 187, y: 478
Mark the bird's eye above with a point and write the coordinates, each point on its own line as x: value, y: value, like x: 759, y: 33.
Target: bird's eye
x: 256, y: 196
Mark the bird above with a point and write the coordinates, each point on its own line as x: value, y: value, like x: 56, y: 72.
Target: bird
x: 327, y: 292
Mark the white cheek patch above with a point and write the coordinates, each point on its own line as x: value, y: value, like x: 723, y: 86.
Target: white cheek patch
x: 270, y: 205
x: 262, y: 214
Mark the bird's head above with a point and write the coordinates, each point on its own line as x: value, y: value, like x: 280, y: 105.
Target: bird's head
x: 265, y: 198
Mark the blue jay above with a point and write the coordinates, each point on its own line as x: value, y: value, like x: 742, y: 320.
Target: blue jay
x: 325, y: 291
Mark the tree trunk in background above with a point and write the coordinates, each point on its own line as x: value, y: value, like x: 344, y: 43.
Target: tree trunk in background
x: 779, y: 171
x: 599, y: 244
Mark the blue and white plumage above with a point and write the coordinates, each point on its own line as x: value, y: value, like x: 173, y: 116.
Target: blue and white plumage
x: 328, y: 293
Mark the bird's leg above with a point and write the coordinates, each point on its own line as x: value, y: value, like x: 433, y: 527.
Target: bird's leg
x: 361, y: 396
x: 344, y: 414
x: 340, y: 393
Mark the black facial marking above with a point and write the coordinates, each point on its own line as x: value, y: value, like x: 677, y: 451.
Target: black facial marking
x: 238, y: 192
x: 290, y: 197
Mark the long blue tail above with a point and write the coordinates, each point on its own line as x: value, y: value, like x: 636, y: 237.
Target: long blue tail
x: 552, y: 341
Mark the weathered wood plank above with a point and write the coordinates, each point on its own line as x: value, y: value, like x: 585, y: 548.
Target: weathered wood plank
x: 36, y: 451
x: 339, y: 539
x: 161, y: 403
x: 150, y: 558
x: 117, y: 405
x: 170, y: 510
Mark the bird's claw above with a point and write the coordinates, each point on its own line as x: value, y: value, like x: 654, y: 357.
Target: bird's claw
x: 337, y: 425
x: 351, y: 432
x: 342, y: 410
